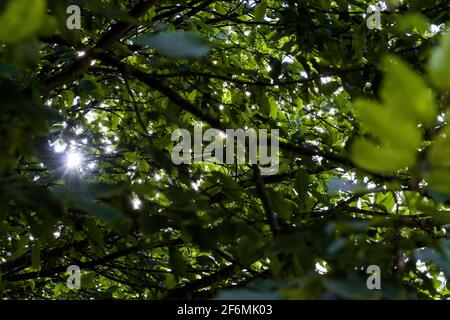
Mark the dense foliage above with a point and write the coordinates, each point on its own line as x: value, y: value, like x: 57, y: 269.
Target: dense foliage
x: 86, y: 176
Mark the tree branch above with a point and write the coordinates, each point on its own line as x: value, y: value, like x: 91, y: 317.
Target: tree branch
x: 107, y: 41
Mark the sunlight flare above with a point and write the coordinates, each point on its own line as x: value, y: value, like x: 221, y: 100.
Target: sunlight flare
x: 74, y: 160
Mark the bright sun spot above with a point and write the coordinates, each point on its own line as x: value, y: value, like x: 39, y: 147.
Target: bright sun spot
x: 59, y: 147
x: 136, y: 202
x: 74, y: 160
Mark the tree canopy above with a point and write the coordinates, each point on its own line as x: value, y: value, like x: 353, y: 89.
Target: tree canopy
x: 87, y: 179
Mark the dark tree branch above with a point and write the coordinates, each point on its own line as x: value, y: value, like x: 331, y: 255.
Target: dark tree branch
x: 107, y: 41
x: 190, y: 287
x: 90, y: 264
x: 271, y: 215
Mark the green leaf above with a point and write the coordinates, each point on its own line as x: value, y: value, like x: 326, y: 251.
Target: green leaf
x: 413, y: 21
x: 21, y: 19
x: 385, y: 124
x: 131, y: 156
x: 20, y: 246
x: 439, y: 180
x: 406, y: 94
x: 36, y: 257
x: 281, y: 206
x: 439, y: 63
x: 439, y: 155
x: 230, y: 187
x: 143, y: 166
x: 264, y: 105
x: 178, y: 44
x: 273, y: 108
x: 249, y: 248
x: 395, y: 122
x: 177, y: 262
x: 302, y: 183
x: 260, y: 11
x: 95, y: 233
x: 369, y: 156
